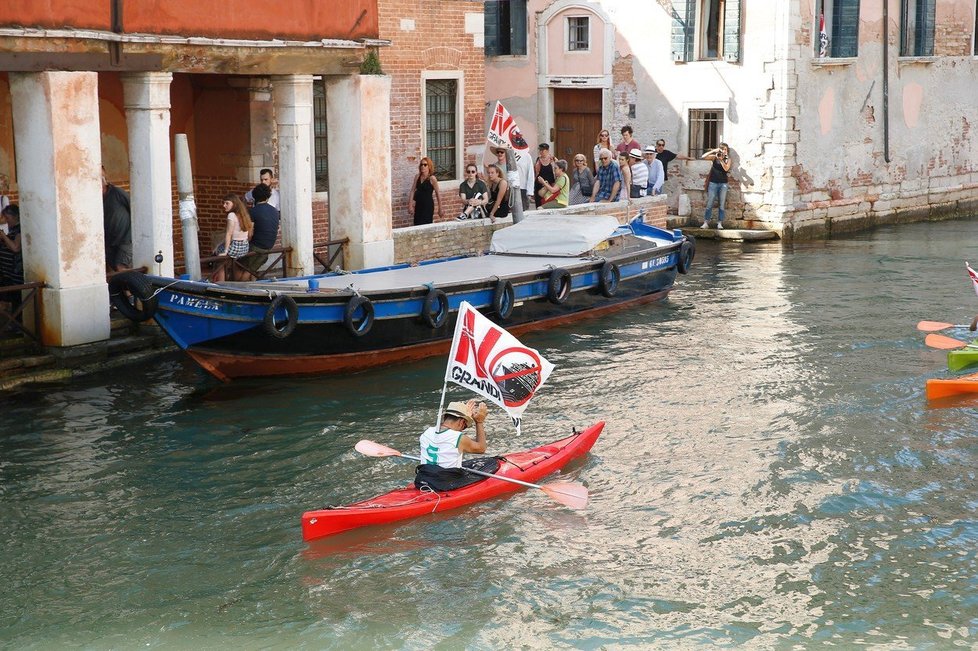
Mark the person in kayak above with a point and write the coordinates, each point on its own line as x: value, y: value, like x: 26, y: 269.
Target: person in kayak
x: 444, y: 446
x: 442, y: 449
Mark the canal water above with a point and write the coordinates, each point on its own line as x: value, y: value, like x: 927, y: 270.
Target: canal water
x: 770, y: 475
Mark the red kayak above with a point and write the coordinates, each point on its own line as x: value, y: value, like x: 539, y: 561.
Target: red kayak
x: 409, y: 502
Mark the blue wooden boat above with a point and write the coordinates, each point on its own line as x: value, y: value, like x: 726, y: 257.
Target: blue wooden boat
x: 544, y: 271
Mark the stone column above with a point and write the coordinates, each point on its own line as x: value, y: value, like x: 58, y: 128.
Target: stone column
x: 292, y: 95
x: 147, y: 100
x: 59, y: 161
x: 358, y: 109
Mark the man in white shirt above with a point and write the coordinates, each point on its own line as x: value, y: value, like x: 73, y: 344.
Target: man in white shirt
x: 266, y: 177
x: 640, y: 174
x: 444, y: 445
x: 656, y: 173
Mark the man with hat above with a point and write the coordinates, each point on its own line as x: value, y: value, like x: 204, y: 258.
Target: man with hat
x: 657, y: 175
x: 444, y: 446
x: 640, y: 174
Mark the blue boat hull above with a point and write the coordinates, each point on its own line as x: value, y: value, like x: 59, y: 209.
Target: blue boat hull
x: 235, y: 330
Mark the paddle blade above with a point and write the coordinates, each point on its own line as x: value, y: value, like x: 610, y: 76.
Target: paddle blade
x: 568, y: 493
x: 371, y: 449
x: 943, y: 343
x: 933, y: 326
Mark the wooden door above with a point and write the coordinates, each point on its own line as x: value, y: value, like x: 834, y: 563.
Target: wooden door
x: 577, y: 121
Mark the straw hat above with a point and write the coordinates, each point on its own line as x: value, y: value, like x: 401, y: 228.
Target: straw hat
x: 460, y: 410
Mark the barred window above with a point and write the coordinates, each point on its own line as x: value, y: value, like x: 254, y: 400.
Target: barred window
x: 441, y: 99
x: 578, y: 34
x: 319, y: 135
x: 705, y: 130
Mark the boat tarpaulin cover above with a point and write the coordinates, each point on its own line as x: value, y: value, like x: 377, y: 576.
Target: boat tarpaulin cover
x: 558, y: 235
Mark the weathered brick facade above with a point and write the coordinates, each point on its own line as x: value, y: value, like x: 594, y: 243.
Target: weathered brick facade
x: 434, y: 35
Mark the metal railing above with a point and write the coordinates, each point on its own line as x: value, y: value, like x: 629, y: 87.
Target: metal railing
x: 214, y: 263
x: 9, y: 317
x: 325, y: 253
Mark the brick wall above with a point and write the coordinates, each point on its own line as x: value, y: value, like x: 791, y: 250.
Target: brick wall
x: 442, y: 240
x: 430, y: 35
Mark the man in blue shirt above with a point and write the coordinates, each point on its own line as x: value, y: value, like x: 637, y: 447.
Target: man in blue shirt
x: 266, y: 220
x: 608, y: 184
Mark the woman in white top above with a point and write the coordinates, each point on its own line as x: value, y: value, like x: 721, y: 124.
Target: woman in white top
x: 236, y: 237
x: 604, y: 142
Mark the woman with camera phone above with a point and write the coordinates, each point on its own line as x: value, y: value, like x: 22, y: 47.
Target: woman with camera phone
x: 717, y: 187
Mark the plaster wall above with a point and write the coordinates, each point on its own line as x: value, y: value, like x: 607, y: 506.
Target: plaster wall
x: 560, y: 61
x: 844, y: 180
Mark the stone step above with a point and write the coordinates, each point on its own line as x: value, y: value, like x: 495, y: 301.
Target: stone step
x: 736, y: 234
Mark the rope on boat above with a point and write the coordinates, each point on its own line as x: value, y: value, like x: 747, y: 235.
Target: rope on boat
x: 167, y: 286
x: 353, y: 507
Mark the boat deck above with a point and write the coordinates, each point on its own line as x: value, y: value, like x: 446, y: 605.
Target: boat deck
x: 448, y: 272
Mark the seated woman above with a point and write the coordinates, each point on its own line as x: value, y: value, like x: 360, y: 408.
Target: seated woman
x: 498, y: 194
x: 556, y: 194
x: 237, y: 236
x: 473, y: 193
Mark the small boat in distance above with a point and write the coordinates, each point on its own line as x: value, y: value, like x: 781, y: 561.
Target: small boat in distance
x: 544, y: 271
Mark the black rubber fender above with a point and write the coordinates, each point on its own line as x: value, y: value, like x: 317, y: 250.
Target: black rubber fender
x: 608, y: 278
x: 687, y: 251
x: 132, y: 294
x: 503, y: 299
x: 349, y: 315
x: 559, y: 286
x: 291, y: 316
x: 435, y: 309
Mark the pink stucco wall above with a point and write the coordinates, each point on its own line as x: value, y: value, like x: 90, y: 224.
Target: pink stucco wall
x: 562, y: 62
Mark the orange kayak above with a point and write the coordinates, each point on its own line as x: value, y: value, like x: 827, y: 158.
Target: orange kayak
x: 942, y: 388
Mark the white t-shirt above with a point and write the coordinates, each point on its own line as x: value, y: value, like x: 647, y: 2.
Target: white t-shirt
x: 273, y: 200
x: 440, y: 447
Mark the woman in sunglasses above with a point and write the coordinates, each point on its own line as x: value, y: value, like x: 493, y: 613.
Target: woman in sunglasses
x: 424, y: 194
x: 582, y: 181
x: 604, y: 142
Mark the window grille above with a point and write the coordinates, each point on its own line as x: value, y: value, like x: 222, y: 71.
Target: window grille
x: 578, y: 34
x: 441, y: 97
x: 320, y: 141
x: 705, y: 130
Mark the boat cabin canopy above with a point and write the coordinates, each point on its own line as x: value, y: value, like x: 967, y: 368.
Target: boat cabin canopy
x: 554, y: 235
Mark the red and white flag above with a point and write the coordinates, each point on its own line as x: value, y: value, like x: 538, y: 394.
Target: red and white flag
x: 823, y: 37
x: 489, y: 361
x: 504, y: 133
x: 973, y: 275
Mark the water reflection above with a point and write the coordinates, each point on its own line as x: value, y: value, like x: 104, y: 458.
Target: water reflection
x: 770, y: 476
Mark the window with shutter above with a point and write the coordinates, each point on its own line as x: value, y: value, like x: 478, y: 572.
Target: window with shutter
x: 731, y: 31
x: 505, y: 27
x: 718, y: 35
x: 917, y: 28
x: 683, y: 29
x: 837, y: 28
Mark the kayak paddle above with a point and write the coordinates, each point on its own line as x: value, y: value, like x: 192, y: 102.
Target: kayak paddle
x: 946, y: 343
x: 936, y: 326
x: 569, y: 493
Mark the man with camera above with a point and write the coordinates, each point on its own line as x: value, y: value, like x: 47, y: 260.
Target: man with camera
x: 717, y: 186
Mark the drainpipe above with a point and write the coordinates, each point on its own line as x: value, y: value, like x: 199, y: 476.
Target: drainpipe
x: 886, y: 80
x: 115, y: 48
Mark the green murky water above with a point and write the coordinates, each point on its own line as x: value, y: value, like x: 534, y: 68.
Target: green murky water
x: 770, y: 475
